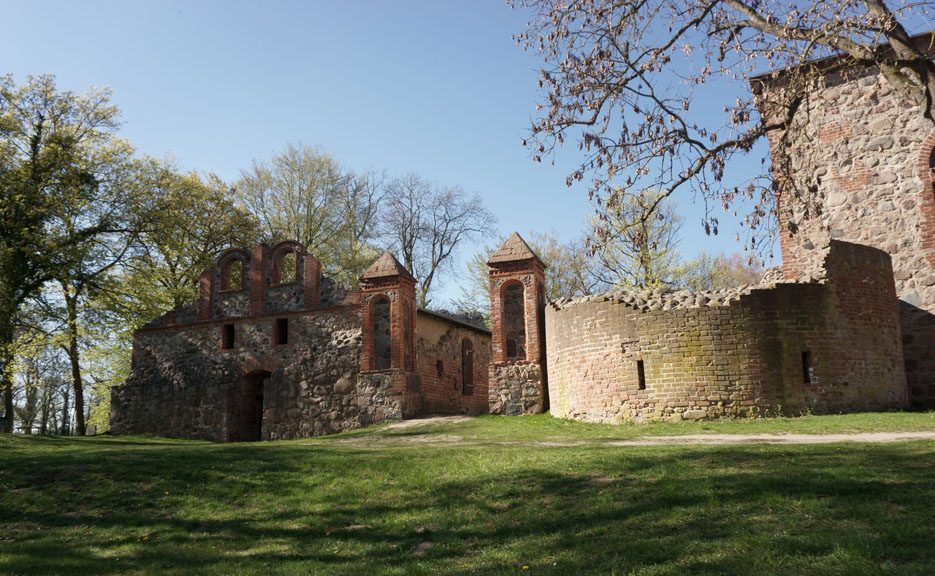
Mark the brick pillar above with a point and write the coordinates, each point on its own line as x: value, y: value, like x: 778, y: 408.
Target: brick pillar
x: 312, y: 279
x: 518, y: 383
x: 259, y: 260
x: 395, y: 392
x: 206, y: 295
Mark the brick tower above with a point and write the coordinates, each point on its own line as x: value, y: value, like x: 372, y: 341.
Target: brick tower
x: 517, y: 315
x: 387, y: 358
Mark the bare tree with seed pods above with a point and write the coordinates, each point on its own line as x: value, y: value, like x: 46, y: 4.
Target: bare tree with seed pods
x: 626, y: 80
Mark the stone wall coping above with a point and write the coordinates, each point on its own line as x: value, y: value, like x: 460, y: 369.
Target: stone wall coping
x: 251, y: 317
x: 663, y: 299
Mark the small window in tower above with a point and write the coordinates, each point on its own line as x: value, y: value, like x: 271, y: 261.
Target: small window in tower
x: 807, y: 367
x: 281, y: 331
x: 439, y: 368
x: 227, y: 337
x: 641, y: 374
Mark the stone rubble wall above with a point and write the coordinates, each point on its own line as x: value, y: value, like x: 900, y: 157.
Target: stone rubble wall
x: 516, y: 388
x: 733, y: 352
x: 181, y: 382
x: 867, y: 149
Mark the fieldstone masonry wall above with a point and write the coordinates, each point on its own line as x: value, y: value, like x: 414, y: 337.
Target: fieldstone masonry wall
x: 183, y: 385
x: 869, y: 151
x: 257, y: 358
x: 732, y: 353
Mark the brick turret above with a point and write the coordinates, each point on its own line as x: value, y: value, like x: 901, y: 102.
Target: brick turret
x: 517, y: 308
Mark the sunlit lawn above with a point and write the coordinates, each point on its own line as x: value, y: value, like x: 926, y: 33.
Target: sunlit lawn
x: 474, y: 497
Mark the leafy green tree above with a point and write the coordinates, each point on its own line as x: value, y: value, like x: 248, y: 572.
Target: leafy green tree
x: 707, y: 272
x: 635, y: 240
x: 304, y: 194
x: 56, y: 149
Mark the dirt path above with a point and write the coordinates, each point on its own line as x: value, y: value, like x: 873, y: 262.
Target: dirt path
x: 869, y: 437
x: 688, y: 439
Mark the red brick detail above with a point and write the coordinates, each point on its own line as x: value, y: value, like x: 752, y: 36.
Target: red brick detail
x: 401, y: 292
x: 312, y: 279
x: 927, y: 206
x: 259, y: 257
x: 206, y: 295
x: 835, y: 132
x: 277, y: 257
x: 531, y: 275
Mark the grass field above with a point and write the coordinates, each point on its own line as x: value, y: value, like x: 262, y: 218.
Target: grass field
x: 529, y: 495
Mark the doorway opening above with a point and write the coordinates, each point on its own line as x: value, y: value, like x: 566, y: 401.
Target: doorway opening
x: 245, y: 408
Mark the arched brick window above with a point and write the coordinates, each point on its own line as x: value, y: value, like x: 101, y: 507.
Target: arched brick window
x: 467, y: 367
x: 285, y: 267
x: 232, y: 275
x: 382, y: 338
x: 514, y: 321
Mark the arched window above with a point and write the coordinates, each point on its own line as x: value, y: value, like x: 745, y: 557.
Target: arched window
x: 382, y: 341
x: 232, y: 276
x: 467, y: 367
x: 514, y: 322
x: 285, y: 267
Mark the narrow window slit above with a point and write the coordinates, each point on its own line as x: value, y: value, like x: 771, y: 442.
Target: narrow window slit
x: 281, y: 335
x: 807, y: 367
x: 641, y: 374
x: 227, y: 337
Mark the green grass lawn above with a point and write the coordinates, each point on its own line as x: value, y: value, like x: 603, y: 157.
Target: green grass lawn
x: 476, y: 497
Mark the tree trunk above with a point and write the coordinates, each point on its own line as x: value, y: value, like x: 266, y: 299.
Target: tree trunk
x: 6, y: 379
x: 64, y: 430
x: 44, y: 419
x: 74, y: 357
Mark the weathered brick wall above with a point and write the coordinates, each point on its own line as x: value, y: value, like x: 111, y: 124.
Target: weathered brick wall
x: 439, y: 353
x: 731, y: 353
x: 184, y: 385
x: 868, y: 150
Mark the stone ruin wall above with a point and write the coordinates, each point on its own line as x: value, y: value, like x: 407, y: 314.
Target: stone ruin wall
x: 183, y: 385
x: 732, y: 353
x: 868, y: 149
x: 439, y: 352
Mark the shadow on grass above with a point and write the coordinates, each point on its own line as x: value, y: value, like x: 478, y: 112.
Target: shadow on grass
x: 299, y: 509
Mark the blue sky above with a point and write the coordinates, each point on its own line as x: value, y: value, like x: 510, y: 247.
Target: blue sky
x: 434, y: 87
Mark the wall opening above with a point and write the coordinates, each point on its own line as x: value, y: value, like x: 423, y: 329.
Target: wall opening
x: 807, y: 367
x: 641, y: 375
x: 439, y: 369
x: 514, y: 322
x: 227, y: 337
x: 232, y: 276
x: 281, y: 331
x: 382, y: 341
x: 245, y: 408
x: 285, y: 267
x: 467, y: 367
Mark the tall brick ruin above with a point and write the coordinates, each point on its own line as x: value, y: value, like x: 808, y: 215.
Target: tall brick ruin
x: 869, y: 153
x: 517, y: 380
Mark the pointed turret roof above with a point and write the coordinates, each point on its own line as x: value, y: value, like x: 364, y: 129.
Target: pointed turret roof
x: 514, y: 249
x: 386, y: 265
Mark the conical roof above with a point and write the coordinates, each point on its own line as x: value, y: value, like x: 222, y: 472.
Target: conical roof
x: 514, y: 249
x: 386, y: 265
